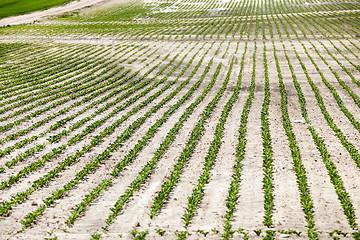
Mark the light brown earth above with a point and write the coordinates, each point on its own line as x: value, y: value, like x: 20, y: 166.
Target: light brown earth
x: 288, y: 212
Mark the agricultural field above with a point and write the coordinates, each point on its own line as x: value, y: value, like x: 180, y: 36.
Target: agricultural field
x: 16, y: 7
x: 195, y: 119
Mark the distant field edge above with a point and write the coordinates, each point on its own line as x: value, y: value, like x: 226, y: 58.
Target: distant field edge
x: 18, y: 7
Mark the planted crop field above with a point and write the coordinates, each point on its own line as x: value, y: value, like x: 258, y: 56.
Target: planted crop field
x: 213, y: 119
x: 16, y: 7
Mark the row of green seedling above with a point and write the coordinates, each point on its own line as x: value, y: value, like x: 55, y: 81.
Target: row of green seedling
x: 86, y: 131
x: 330, y: 166
x: 148, y: 167
x: 125, y: 135
x: 174, y: 177
x: 233, y: 193
x: 198, y: 191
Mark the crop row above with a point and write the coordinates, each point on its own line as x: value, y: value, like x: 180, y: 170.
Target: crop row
x: 101, y: 157
x: 334, y: 176
x: 43, y: 180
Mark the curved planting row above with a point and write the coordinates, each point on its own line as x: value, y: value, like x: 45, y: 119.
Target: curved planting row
x: 42, y: 181
x: 198, y: 119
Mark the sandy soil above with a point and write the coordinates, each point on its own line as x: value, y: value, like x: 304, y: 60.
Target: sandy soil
x: 110, y: 48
